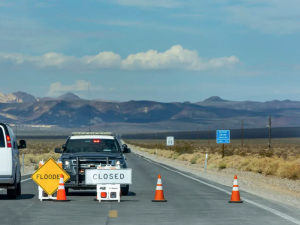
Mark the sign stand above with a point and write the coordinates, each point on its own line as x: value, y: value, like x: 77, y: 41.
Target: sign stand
x: 108, y: 180
x: 42, y: 194
x: 108, y: 192
x: 112, y: 192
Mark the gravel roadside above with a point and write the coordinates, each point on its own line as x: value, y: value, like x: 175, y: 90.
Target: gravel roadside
x: 28, y: 170
x: 273, y: 188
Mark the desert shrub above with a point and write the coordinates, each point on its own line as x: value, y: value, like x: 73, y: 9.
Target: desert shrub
x: 283, y: 160
x: 222, y: 166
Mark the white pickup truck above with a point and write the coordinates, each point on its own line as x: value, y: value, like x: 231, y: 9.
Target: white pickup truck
x: 10, y: 167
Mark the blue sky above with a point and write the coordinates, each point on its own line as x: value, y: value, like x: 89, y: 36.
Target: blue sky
x: 161, y: 50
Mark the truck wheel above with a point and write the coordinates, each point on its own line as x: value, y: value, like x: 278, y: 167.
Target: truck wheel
x: 12, y: 193
x: 125, y: 190
x: 19, y: 188
x: 67, y: 191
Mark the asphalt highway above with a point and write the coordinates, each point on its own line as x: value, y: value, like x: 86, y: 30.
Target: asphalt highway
x: 191, y: 200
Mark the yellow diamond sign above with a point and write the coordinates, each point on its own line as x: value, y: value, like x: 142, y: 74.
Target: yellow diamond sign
x: 48, y: 175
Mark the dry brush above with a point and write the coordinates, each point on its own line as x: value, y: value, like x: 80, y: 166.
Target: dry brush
x: 282, y: 160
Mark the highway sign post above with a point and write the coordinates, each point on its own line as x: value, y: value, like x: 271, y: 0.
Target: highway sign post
x: 48, y: 175
x: 223, y: 137
x: 170, y: 141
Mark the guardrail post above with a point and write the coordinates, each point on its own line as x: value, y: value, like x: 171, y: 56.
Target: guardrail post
x: 23, y: 163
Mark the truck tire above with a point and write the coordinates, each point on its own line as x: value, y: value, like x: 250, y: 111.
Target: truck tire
x: 67, y: 191
x: 19, y: 188
x: 125, y: 190
x: 12, y: 193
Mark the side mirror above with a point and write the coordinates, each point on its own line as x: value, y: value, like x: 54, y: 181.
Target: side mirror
x: 63, y: 146
x: 58, y: 150
x: 22, y: 144
x: 127, y: 150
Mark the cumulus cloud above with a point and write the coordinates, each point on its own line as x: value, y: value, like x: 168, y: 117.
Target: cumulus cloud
x: 175, y: 58
x: 58, y: 88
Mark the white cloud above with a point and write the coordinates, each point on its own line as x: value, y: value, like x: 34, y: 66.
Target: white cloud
x: 176, y: 58
x: 173, y: 59
x: 268, y: 16
x: 151, y: 3
x: 79, y: 86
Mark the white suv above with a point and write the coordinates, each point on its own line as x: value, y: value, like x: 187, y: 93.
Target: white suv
x: 10, y: 167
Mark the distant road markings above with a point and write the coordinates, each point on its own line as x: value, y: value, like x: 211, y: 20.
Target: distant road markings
x: 113, y: 213
x: 280, y: 214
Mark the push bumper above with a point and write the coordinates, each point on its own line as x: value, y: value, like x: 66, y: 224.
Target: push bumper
x: 83, y: 186
x: 77, y: 180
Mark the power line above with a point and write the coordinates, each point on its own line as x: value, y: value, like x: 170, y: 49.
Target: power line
x: 270, y: 122
x: 89, y: 107
x: 242, y: 135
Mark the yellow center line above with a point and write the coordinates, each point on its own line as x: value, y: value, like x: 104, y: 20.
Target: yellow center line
x: 113, y: 213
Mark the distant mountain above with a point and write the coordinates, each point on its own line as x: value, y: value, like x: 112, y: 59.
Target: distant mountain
x: 214, y: 99
x: 76, y: 114
x: 69, y: 110
x: 69, y: 96
x: 217, y: 102
x: 66, y: 97
x: 103, y: 100
x: 17, y: 97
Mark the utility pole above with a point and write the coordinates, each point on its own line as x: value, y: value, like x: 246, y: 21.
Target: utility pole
x: 89, y: 107
x: 209, y: 135
x: 270, y: 132
x: 242, y: 135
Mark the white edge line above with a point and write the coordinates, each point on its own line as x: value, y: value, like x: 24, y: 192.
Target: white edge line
x: 1, y: 189
x: 280, y: 214
x: 25, y: 180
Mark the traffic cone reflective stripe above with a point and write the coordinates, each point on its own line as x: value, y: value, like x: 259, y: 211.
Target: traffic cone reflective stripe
x: 159, y: 193
x: 235, y: 196
x: 61, y: 192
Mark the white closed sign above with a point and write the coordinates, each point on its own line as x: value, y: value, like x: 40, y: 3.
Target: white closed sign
x: 170, y: 141
x: 108, y: 176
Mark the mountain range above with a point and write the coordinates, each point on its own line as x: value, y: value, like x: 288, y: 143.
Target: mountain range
x: 71, y: 111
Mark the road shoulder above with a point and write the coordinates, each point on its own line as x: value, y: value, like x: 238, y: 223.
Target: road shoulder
x: 279, y: 190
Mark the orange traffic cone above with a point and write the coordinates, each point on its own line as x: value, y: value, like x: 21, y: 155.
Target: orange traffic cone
x: 61, y: 192
x: 159, y: 193
x: 235, y: 196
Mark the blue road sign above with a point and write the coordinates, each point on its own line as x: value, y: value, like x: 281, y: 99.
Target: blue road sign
x: 223, y: 136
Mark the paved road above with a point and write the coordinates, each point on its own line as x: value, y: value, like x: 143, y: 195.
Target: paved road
x: 191, y: 200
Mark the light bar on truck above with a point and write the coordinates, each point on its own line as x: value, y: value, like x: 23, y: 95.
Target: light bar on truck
x: 92, y: 133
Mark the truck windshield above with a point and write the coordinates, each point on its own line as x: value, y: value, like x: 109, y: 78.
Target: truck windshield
x: 92, y: 145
